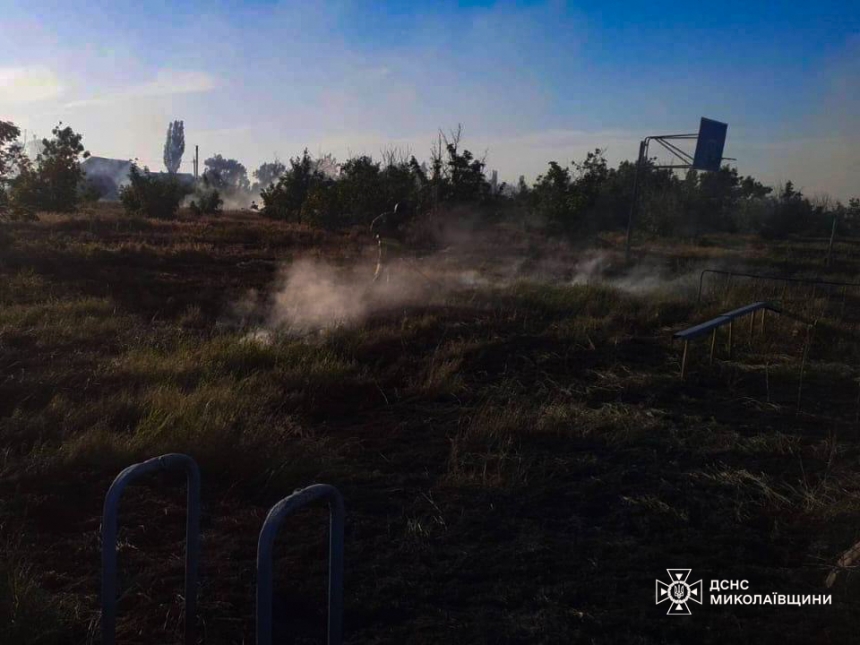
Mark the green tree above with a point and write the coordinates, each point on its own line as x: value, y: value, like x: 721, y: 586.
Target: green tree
x: 465, y: 176
x: 588, y: 179
x: 151, y: 194
x: 267, y: 174
x: 55, y: 181
x: 284, y: 199
x: 851, y: 216
x: 227, y: 175
x: 10, y: 150
x: 753, y: 205
x: 792, y: 213
x: 10, y: 160
x: 552, y: 197
x: 174, y: 146
x: 360, y: 189
x: 717, y: 200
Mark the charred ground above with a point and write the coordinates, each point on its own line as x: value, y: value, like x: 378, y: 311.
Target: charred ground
x: 519, y: 458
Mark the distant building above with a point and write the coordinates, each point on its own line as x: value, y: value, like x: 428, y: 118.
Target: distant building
x: 109, y: 175
x: 33, y: 148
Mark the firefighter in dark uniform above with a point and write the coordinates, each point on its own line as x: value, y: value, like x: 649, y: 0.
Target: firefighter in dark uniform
x: 386, y: 229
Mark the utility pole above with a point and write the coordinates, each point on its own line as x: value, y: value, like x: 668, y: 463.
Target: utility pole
x: 196, y: 160
x: 642, y: 145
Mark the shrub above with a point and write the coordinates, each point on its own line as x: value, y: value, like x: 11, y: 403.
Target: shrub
x: 267, y: 174
x: 98, y: 187
x: 207, y: 201
x: 10, y: 160
x: 227, y: 175
x: 285, y: 198
x: 151, y: 195
x: 55, y: 181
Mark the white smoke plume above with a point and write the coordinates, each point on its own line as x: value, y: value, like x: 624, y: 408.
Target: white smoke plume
x: 313, y: 295
x: 648, y: 277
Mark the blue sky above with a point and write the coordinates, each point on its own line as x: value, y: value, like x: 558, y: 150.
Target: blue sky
x: 530, y: 81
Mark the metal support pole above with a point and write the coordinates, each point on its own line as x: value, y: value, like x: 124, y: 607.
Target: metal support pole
x: 642, y: 147
x: 731, y: 327
x: 830, y: 246
x: 752, y: 326
x: 684, y: 361
x: 713, y: 344
x: 699, y: 294
x: 763, y: 314
x: 265, y: 548
x: 173, y: 461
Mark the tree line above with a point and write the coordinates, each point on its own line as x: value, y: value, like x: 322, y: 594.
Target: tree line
x: 575, y: 199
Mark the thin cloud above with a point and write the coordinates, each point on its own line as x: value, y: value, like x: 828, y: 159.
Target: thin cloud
x: 166, y: 83
x: 235, y: 129
x: 28, y: 84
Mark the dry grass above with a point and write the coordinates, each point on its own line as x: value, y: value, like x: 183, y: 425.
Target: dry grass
x: 519, y: 460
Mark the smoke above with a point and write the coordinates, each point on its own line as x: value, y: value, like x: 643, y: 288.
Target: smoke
x: 110, y: 175
x: 312, y: 295
x: 646, y: 278
x: 239, y: 201
x: 591, y: 269
x: 602, y: 267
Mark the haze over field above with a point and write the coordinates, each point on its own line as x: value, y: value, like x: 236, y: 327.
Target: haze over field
x: 417, y: 261
x: 530, y: 81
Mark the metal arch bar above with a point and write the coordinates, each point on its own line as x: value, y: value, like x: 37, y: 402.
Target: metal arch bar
x: 689, y: 135
x: 172, y: 461
x: 265, y: 548
x: 675, y: 150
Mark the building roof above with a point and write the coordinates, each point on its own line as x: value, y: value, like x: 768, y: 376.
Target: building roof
x: 105, y: 166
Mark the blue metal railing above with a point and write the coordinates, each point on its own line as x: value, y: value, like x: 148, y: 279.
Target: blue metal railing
x: 727, y: 318
x: 265, y: 547
x: 171, y: 461
x: 771, y: 278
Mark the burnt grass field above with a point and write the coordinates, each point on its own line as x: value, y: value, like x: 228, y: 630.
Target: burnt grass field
x: 518, y: 455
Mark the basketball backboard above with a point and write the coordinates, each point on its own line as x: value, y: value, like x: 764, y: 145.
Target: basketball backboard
x: 710, y: 144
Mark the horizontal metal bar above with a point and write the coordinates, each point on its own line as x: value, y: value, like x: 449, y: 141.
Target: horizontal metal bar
x: 690, y: 135
x: 705, y: 327
x: 747, y: 309
x: 771, y: 277
x: 784, y: 278
x: 701, y: 329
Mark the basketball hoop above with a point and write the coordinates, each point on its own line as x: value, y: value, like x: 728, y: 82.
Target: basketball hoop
x: 708, y: 157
